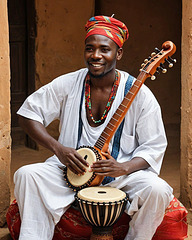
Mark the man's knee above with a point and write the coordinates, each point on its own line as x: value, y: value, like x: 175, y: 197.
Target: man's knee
x: 25, y: 172
x: 159, y: 191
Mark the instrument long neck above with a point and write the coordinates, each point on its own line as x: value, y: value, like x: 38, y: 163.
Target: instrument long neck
x: 105, y: 137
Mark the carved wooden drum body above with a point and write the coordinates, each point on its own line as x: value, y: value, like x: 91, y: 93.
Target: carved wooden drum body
x: 101, y: 207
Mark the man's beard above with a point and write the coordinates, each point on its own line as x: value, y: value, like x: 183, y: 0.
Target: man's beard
x: 96, y: 76
x: 100, y: 75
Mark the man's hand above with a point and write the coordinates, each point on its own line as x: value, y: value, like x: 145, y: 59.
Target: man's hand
x: 72, y: 159
x: 108, y: 167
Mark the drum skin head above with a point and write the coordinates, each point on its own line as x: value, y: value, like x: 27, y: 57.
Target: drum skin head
x: 101, y: 194
x: 80, y: 180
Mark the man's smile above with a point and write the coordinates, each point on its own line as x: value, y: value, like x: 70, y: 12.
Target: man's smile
x: 96, y: 64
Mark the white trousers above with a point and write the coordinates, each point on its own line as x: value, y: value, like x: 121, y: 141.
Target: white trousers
x: 43, y: 197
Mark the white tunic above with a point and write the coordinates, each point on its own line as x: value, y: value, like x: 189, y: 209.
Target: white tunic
x: 143, y: 133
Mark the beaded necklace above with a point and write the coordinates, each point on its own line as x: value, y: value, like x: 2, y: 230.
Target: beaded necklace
x: 110, y: 100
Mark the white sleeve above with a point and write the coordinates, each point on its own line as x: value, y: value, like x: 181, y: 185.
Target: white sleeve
x: 150, y: 134
x: 45, y: 104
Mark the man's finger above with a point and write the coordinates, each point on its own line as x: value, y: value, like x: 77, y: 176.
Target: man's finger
x: 106, y: 154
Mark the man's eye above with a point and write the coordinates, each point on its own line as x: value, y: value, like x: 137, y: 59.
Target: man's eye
x: 105, y: 50
x: 88, y: 49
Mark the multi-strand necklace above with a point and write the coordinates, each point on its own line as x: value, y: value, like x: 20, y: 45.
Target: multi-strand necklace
x: 110, y: 100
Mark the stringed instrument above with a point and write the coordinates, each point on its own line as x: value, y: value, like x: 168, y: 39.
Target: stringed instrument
x: 150, y: 66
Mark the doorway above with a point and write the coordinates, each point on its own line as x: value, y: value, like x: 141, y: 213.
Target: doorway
x: 22, y: 32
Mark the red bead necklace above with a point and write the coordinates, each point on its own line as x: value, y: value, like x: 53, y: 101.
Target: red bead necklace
x: 110, y: 100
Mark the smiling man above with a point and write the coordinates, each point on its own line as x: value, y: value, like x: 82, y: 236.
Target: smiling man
x: 84, y: 101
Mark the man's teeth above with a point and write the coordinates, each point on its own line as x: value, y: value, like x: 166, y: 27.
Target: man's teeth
x: 96, y: 65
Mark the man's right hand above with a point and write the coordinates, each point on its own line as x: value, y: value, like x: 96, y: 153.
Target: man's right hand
x: 72, y: 159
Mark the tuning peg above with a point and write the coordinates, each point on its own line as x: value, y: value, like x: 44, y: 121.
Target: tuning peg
x: 162, y: 65
x: 147, y: 59
x: 169, y: 63
x: 163, y: 69
x: 153, y: 54
x: 153, y: 77
x: 143, y: 64
x: 157, y: 50
x: 172, y: 60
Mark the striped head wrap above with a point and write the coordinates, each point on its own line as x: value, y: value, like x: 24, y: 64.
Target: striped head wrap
x: 109, y: 27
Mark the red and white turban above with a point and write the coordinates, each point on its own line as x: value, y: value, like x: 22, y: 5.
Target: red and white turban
x: 109, y: 27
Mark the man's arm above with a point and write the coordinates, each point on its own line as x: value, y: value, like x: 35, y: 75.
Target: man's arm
x: 110, y: 167
x: 68, y: 156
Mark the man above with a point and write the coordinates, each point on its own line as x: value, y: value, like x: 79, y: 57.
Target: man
x: 91, y: 96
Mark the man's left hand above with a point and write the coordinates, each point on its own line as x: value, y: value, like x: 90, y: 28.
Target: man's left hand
x: 108, y: 167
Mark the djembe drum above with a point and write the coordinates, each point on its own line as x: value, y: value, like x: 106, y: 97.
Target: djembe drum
x: 101, y: 207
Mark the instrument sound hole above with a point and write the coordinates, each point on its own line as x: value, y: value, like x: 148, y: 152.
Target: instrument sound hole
x: 102, y: 192
x: 85, y: 157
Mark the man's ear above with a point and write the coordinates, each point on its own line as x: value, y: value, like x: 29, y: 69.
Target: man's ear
x: 119, y: 53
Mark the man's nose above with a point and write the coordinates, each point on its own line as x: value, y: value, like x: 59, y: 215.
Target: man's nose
x: 96, y: 54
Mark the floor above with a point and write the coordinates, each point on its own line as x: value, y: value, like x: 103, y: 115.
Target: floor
x: 170, y: 169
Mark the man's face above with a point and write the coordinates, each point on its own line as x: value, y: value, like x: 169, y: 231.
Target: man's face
x: 101, y: 54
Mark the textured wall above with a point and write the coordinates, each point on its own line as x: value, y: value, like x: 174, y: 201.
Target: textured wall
x: 186, y: 108
x: 5, y: 142
x: 60, y: 38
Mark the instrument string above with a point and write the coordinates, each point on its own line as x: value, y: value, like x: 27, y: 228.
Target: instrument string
x: 120, y: 109
x: 109, y: 128
x: 112, y: 124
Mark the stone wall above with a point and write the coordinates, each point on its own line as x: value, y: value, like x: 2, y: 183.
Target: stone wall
x: 5, y: 142
x: 186, y: 108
